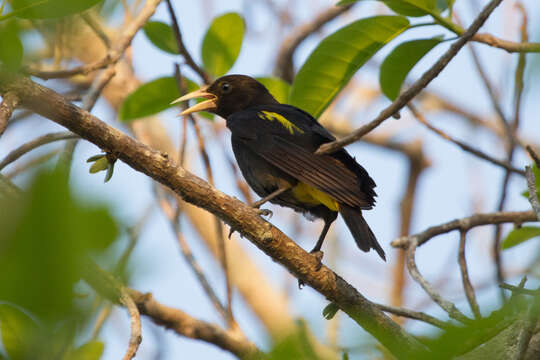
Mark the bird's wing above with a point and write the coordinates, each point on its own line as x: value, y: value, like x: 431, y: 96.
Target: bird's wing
x: 323, y: 172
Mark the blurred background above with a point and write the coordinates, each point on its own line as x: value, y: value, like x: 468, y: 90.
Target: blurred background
x: 400, y: 155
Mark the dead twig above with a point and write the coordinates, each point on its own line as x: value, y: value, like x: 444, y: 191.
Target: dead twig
x: 446, y: 305
x: 411, y: 314
x: 135, y: 337
x: 182, y: 47
x: 467, y: 285
x: 465, y: 224
x: 284, y: 60
x: 33, y: 144
x: 482, y: 155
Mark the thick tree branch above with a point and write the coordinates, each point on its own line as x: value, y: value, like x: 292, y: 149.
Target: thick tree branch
x: 465, y: 224
x: 417, y: 86
x: 235, y: 213
x: 8, y: 105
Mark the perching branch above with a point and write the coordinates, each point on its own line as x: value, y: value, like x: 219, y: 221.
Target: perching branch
x: 8, y: 105
x: 235, y: 213
x: 417, y: 86
x: 531, y: 184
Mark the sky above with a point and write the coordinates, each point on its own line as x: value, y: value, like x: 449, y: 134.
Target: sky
x: 450, y: 188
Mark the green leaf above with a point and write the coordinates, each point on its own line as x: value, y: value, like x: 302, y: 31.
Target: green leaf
x: 19, y: 332
x: 49, y: 9
x: 278, y: 88
x: 519, y: 235
x: 100, y: 164
x: 330, y: 311
x: 407, y: 7
x: 162, y: 36
x: 222, y: 43
x: 89, y: 351
x: 11, y: 47
x: 38, y: 272
x: 337, y: 57
x: 399, y: 63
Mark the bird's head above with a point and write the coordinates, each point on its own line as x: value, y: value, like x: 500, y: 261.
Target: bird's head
x: 229, y: 94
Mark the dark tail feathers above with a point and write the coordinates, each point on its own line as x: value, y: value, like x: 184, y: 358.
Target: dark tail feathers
x: 364, y: 237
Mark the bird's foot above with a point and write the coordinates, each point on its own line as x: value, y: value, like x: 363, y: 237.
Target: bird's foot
x: 318, y: 255
x: 264, y: 212
x: 231, y: 231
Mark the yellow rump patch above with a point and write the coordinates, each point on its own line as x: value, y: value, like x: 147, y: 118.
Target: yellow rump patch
x: 269, y: 115
x: 308, y: 194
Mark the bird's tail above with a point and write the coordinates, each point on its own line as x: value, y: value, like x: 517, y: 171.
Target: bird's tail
x: 364, y: 237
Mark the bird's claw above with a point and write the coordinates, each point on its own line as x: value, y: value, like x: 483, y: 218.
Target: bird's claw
x: 231, y: 231
x: 265, y: 212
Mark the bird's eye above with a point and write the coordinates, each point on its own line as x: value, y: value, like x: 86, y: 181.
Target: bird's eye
x: 226, y: 87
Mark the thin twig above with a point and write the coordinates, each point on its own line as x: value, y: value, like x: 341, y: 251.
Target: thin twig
x: 88, y: 18
x: 33, y: 144
x: 462, y: 145
x: 526, y: 333
x: 217, y: 222
x: 8, y: 105
x: 284, y: 60
x: 411, y: 314
x: 446, y: 305
x: 467, y: 285
x: 38, y: 160
x: 114, y: 54
x: 510, y: 131
x: 533, y: 155
x: 531, y: 184
x: 182, y: 48
x: 135, y: 324
x: 188, y: 254
x: 416, y: 87
x: 519, y: 290
x: 510, y: 46
x: 465, y: 224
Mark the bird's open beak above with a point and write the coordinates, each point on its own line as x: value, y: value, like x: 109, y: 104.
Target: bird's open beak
x: 208, y: 105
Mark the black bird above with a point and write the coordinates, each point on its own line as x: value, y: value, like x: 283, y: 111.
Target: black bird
x: 274, y: 145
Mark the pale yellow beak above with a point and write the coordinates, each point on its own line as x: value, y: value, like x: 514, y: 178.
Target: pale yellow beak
x: 208, y: 105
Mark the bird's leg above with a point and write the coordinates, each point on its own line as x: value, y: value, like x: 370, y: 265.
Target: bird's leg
x: 267, y: 198
x: 257, y: 204
x: 316, y: 251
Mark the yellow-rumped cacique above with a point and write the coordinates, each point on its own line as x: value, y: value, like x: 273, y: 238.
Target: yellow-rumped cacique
x: 274, y: 145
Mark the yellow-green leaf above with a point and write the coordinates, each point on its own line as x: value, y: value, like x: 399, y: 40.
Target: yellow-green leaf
x: 399, y: 63
x: 520, y: 235
x: 49, y: 9
x: 89, y: 351
x: 19, y: 332
x: 335, y: 60
x: 278, y: 88
x: 161, y: 35
x: 222, y: 43
x: 407, y: 7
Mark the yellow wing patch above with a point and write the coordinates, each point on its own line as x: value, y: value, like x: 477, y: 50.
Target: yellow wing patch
x: 308, y: 194
x: 269, y: 115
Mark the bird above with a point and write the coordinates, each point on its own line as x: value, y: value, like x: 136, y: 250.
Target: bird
x: 274, y: 145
